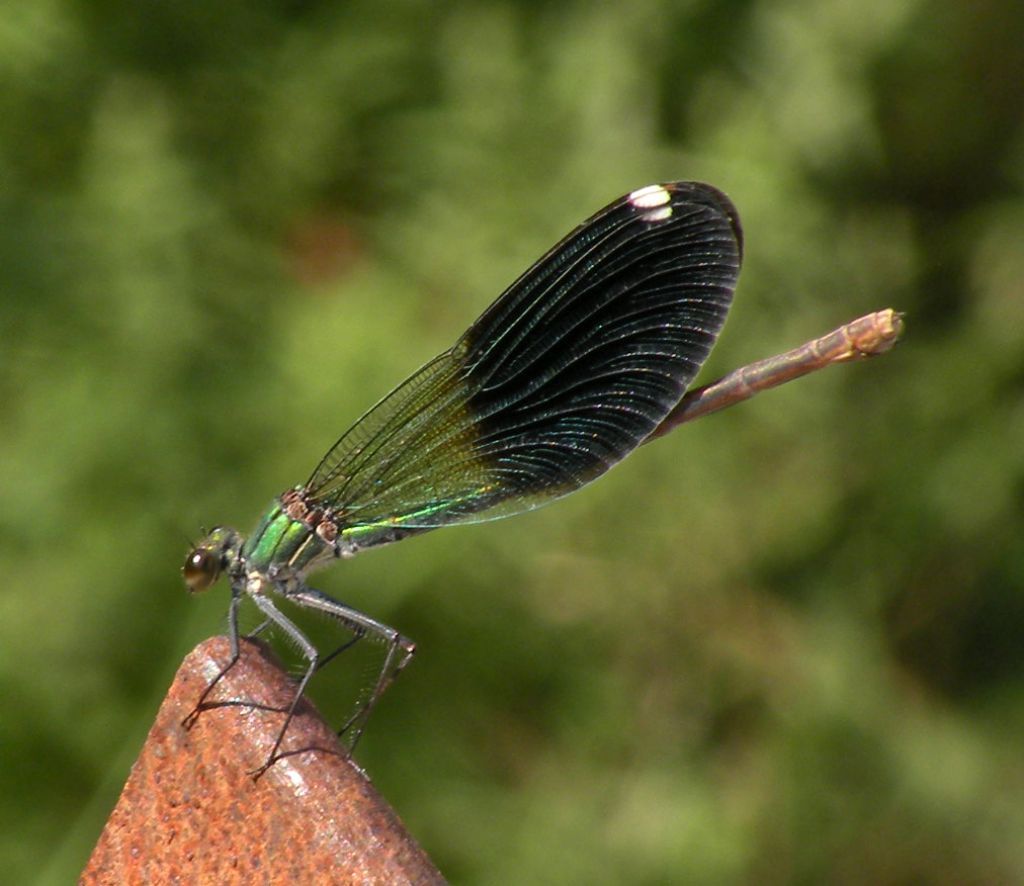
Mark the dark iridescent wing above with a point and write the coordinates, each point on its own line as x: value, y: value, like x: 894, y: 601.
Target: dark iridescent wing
x: 564, y: 375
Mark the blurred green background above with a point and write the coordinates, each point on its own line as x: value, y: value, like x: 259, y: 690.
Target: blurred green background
x: 783, y: 645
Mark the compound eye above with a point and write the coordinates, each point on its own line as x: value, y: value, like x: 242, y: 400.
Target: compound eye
x: 201, y: 569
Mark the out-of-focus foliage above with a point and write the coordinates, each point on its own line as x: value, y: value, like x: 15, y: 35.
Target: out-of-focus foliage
x: 781, y: 646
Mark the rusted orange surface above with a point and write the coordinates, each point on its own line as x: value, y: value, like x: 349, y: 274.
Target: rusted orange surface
x: 192, y: 813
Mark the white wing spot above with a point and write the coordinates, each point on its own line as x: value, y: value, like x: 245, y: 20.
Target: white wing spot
x: 653, y: 201
x: 650, y: 197
x: 659, y: 214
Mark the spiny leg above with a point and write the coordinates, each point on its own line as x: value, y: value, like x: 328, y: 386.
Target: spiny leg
x: 236, y: 599
x: 312, y: 656
x: 400, y: 650
x: 358, y: 634
x: 259, y: 629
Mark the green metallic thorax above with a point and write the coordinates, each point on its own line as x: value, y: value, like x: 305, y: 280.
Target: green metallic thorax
x: 297, y: 534
x: 282, y: 541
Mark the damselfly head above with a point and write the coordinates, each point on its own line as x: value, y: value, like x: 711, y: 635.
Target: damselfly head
x: 208, y: 559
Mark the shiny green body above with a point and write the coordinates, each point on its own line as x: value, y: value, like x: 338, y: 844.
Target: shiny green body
x: 282, y: 541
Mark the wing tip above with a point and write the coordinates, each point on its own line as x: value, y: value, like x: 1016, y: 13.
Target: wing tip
x: 699, y: 192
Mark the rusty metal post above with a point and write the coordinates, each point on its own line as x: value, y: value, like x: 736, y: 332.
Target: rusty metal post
x: 192, y: 813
